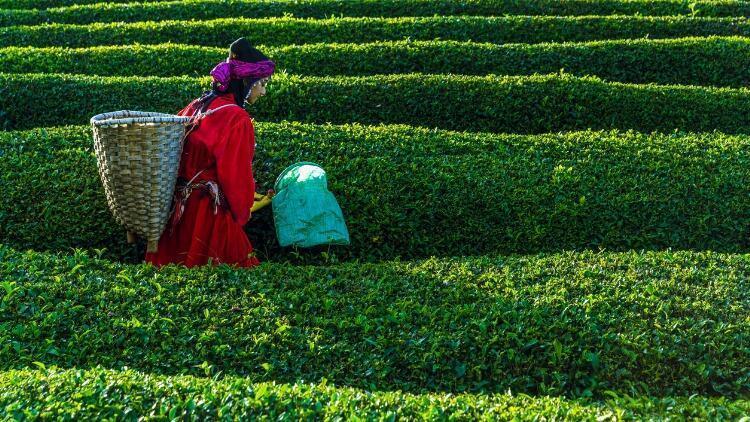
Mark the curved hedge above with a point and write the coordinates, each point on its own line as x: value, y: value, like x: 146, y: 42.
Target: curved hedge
x: 285, y: 31
x: 529, y: 7
x: 718, y: 61
x: 563, y: 324
x: 130, y: 394
x: 529, y: 104
x: 411, y: 193
x: 215, y: 9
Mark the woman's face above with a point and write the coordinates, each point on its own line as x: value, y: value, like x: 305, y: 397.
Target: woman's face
x: 258, y: 90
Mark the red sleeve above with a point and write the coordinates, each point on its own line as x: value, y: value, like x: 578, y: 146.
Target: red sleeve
x: 234, y: 158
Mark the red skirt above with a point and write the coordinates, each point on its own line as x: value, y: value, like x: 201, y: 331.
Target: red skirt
x: 204, y: 234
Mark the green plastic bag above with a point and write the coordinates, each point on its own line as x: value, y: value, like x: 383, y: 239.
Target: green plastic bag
x: 305, y: 212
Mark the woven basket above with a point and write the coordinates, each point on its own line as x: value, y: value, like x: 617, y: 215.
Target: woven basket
x: 138, y: 155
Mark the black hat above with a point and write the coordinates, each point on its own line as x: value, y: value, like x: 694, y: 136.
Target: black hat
x: 242, y: 50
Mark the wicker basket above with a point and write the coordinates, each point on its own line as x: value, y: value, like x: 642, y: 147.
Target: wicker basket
x: 138, y: 155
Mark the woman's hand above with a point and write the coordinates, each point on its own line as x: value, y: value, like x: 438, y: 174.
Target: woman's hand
x: 269, y: 194
x: 262, y: 200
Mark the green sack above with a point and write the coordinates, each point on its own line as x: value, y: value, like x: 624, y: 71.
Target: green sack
x: 305, y: 212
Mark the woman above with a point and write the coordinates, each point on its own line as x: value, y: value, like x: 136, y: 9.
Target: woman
x: 215, y: 188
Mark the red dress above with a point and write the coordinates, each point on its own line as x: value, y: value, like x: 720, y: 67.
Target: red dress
x: 223, y: 144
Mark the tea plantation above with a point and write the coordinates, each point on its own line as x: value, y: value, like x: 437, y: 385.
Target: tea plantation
x: 548, y: 203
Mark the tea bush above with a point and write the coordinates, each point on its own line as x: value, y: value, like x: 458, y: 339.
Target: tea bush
x: 83, y: 13
x: 527, y: 104
x: 718, y: 61
x: 451, y: 152
x: 287, y: 30
x: 412, y: 192
x: 662, y: 324
x: 127, y: 394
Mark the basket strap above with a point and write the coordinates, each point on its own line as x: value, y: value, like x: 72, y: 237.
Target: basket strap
x: 197, y: 117
x: 200, y: 115
x: 196, y: 175
x: 213, y: 110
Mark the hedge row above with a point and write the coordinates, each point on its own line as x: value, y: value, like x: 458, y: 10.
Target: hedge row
x: 718, y: 61
x: 284, y: 31
x: 215, y: 9
x: 568, y: 7
x: 101, y: 394
x: 528, y: 104
x: 573, y: 324
x: 411, y: 193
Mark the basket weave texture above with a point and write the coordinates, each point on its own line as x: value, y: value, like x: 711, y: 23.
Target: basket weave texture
x: 138, y: 156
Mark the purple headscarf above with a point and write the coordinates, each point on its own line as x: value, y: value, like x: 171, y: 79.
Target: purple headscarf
x: 237, y: 69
